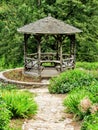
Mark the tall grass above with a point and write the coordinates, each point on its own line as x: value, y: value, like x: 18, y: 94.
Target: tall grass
x: 4, y: 115
x: 20, y: 103
x: 90, y: 122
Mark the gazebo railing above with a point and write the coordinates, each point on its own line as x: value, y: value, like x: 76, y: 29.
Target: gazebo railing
x: 48, y: 56
x: 68, y: 62
x: 31, y: 60
x: 33, y: 55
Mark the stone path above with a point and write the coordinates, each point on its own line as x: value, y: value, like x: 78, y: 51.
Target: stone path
x: 51, y: 114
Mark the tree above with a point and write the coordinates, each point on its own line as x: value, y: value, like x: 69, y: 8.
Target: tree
x: 15, y: 13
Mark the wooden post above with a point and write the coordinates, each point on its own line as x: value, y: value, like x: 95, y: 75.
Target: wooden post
x: 38, y: 38
x: 39, y: 58
x: 57, y: 46
x: 25, y: 50
x: 26, y: 36
x: 72, y: 47
x: 61, y: 58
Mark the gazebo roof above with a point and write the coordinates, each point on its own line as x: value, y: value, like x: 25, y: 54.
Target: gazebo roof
x: 48, y: 25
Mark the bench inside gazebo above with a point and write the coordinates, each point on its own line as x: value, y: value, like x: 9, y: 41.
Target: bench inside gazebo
x: 49, y: 64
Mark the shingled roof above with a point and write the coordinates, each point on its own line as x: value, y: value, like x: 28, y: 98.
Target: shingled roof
x: 48, y: 25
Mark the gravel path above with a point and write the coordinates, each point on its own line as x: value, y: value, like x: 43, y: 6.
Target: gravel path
x: 51, y: 114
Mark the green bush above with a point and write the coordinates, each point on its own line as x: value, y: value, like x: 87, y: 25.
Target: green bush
x: 90, y: 122
x: 87, y: 65
x: 69, y: 80
x: 72, y: 102
x: 4, y: 115
x: 93, y: 89
x: 20, y: 103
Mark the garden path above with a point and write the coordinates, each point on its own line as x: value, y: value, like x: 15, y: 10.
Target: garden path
x: 51, y: 114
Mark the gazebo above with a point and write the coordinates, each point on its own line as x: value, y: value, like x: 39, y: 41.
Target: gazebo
x: 56, y: 62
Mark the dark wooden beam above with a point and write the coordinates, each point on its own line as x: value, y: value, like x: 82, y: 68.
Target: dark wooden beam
x: 72, y: 47
x: 60, y: 40
x: 38, y: 39
x: 26, y: 36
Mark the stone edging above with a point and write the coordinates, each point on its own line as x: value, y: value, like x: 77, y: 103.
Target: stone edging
x: 21, y: 83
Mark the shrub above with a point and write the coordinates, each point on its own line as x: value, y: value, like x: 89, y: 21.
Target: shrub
x: 90, y: 122
x: 82, y: 101
x: 4, y: 115
x: 73, y: 102
x: 93, y: 89
x: 87, y: 65
x: 20, y: 103
x: 69, y: 80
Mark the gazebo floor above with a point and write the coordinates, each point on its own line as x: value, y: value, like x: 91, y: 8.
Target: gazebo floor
x: 47, y: 72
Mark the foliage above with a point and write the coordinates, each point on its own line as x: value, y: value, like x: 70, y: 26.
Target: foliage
x: 7, y: 86
x: 4, y: 115
x: 90, y: 122
x: 91, y: 67
x: 69, y: 80
x: 87, y: 65
x: 73, y: 100
x: 16, y: 13
x: 20, y: 103
x: 82, y: 101
x: 15, y: 104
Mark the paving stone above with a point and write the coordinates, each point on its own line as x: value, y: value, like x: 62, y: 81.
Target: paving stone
x: 51, y: 114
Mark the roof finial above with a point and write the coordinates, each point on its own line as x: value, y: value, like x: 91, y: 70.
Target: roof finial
x: 49, y: 15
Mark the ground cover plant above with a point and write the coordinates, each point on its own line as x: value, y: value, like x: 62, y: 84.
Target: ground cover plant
x: 87, y: 65
x: 20, y: 103
x: 69, y: 80
x: 83, y: 103
x: 4, y: 115
x: 90, y: 122
x: 17, y: 104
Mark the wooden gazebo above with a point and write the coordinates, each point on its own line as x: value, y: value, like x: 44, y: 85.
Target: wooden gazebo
x: 56, y: 62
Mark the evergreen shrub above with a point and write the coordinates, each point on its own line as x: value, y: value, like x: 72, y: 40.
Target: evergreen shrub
x: 69, y: 80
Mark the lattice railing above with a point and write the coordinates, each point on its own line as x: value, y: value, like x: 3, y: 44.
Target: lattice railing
x: 31, y: 61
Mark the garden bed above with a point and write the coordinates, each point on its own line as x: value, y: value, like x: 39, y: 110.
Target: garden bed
x: 18, y: 75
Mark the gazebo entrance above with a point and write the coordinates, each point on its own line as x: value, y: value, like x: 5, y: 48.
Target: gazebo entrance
x: 49, y: 64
